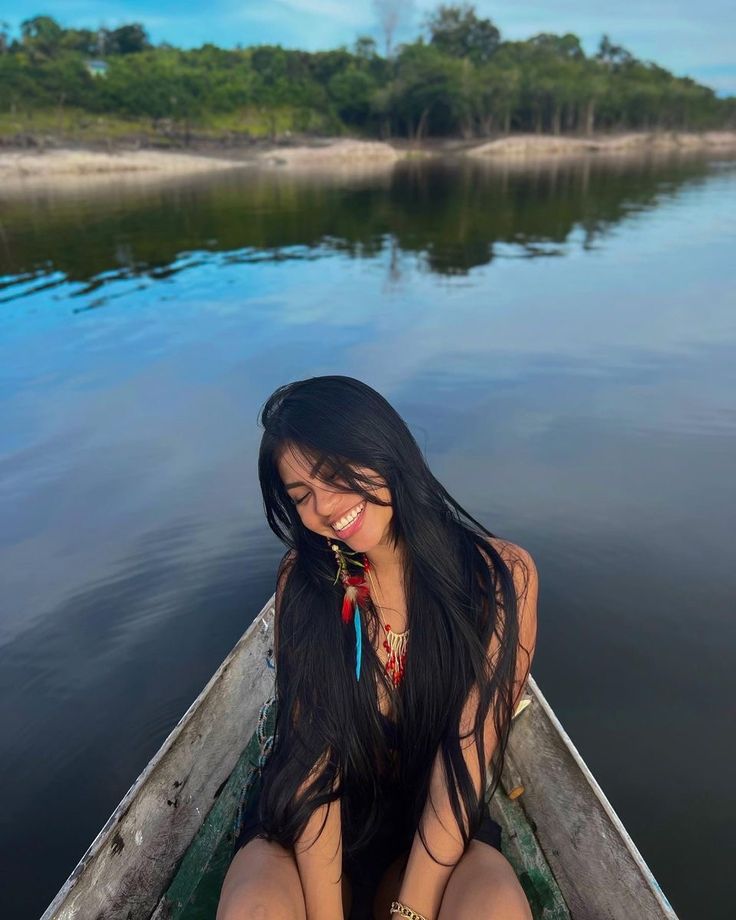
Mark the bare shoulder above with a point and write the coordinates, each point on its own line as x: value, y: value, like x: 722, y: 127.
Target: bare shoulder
x: 526, y: 583
x: 520, y: 562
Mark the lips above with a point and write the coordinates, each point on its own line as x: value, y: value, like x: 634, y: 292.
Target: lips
x: 352, y: 527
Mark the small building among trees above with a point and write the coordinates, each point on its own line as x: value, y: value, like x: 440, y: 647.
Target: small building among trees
x: 96, y: 68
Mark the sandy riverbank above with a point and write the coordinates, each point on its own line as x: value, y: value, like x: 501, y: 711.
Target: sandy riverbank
x: 86, y: 167
x: 544, y: 145
x: 71, y: 169
x: 341, y: 152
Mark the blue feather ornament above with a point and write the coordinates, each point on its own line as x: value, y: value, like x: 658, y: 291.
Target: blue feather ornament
x: 358, y: 641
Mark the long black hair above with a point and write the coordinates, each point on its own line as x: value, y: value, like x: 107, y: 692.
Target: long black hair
x: 329, y: 742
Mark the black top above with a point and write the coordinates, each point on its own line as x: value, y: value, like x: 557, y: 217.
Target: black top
x: 391, y: 729
x: 394, y: 837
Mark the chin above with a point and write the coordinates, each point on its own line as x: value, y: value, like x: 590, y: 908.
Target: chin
x: 361, y: 542
x: 365, y: 542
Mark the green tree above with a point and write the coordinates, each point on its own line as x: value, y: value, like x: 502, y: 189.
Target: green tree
x: 129, y: 39
x: 594, y: 86
x: 41, y: 37
x: 565, y: 47
x: 457, y: 31
x: 428, y: 84
x: 561, y: 64
x: 613, y: 56
x: 83, y: 41
x: 4, y: 37
x: 365, y: 48
x: 499, y: 92
x: 352, y: 91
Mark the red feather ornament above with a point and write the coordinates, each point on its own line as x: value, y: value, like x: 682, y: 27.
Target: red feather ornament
x: 356, y: 590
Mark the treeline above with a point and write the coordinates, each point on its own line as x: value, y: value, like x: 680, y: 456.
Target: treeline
x: 458, y: 78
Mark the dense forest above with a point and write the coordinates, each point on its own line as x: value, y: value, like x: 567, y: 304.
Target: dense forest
x: 459, y: 78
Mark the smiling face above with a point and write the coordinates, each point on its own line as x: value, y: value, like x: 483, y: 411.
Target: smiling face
x: 321, y: 506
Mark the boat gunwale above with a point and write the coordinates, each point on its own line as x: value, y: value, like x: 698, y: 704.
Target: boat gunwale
x: 59, y: 908
x: 527, y: 737
x: 603, y: 800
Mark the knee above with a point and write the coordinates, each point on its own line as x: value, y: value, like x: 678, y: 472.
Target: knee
x: 262, y: 883
x: 256, y: 901
x: 500, y: 905
x: 484, y: 886
x: 506, y: 903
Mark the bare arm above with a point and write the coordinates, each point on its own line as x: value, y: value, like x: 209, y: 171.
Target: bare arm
x: 319, y: 860
x: 318, y: 855
x: 424, y: 880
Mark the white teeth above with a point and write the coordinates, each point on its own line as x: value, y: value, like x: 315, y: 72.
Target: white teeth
x: 349, y: 518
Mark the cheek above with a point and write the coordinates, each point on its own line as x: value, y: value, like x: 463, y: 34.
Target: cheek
x: 382, y: 512
x: 308, y: 518
x: 385, y: 496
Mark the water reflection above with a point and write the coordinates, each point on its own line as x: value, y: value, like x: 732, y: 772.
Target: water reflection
x: 453, y: 216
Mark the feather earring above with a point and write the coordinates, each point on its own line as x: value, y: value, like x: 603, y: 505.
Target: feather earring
x: 357, y: 592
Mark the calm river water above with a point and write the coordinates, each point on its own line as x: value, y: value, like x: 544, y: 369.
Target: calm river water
x: 562, y: 342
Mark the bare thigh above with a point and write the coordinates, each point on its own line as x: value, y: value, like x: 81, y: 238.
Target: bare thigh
x: 484, y: 886
x: 263, y: 881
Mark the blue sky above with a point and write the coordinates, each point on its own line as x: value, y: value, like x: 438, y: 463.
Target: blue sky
x: 688, y: 38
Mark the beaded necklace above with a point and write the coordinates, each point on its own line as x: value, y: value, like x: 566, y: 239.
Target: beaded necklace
x: 394, y: 643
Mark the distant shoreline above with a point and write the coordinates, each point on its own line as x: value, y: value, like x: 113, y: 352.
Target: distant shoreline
x: 626, y: 142
x: 63, y: 167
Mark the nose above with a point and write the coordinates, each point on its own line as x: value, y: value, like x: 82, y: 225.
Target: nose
x: 326, y: 502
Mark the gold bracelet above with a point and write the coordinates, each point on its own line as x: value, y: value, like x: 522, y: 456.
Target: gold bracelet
x: 403, y: 911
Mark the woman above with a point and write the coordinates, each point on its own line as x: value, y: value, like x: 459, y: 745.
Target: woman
x: 403, y: 640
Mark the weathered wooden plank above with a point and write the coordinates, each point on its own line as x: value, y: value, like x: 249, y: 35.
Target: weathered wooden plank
x: 521, y: 848
x: 195, y: 889
x: 596, y: 864
x: 204, y: 849
x: 133, y: 858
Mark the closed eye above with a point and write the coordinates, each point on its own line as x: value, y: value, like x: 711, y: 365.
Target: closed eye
x: 330, y: 478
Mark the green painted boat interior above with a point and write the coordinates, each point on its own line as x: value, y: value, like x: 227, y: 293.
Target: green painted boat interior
x: 195, y: 889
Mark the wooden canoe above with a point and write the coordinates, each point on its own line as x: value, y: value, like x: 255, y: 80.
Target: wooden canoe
x: 164, y: 851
